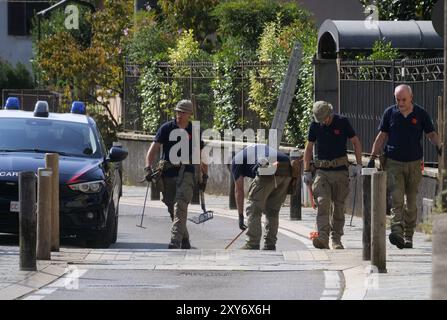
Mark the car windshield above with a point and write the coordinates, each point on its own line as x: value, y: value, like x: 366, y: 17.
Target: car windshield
x: 48, y: 136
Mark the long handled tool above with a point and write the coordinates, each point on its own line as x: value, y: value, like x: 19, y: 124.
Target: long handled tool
x: 240, y: 233
x: 206, y: 214
x: 144, y: 207
x: 154, y: 174
x: 355, y: 197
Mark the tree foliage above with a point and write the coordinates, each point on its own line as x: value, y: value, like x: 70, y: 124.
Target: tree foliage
x: 402, y: 10
x: 17, y: 77
x: 149, y: 40
x: 92, y: 73
x: 191, y: 15
x: 225, y: 86
x: 246, y: 19
x: 276, y: 44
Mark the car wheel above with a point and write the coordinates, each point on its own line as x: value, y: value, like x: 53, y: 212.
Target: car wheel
x: 115, y: 230
x: 105, y: 238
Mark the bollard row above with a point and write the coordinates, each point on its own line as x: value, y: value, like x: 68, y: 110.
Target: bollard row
x: 39, y: 220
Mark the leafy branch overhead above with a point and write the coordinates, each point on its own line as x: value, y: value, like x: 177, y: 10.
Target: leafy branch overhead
x: 85, y: 70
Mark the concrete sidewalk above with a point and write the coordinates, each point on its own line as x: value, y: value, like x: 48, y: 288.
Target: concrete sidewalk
x: 408, y: 277
x: 409, y: 271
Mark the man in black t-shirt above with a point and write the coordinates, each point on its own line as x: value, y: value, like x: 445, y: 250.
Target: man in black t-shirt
x: 401, y: 130
x: 271, y: 172
x: 329, y: 134
x: 177, y: 176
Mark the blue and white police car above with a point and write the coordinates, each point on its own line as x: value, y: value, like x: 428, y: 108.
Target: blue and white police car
x: 89, y: 175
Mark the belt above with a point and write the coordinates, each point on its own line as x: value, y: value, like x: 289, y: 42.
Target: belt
x: 325, y: 164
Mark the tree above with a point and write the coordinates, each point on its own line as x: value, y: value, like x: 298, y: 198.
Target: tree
x: 246, y: 19
x: 402, y: 10
x: 191, y: 15
x: 17, y: 77
x: 275, y: 45
x: 93, y: 73
x: 149, y: 39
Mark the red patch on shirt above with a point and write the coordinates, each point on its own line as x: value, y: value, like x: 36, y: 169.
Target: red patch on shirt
x: 414, y: 121
x: 336, y: 132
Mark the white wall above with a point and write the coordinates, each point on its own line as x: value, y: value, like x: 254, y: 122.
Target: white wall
x: 333, y: 9
x: 13, y: 49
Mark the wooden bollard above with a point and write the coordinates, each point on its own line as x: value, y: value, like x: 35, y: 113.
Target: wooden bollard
x: 231, y: 194
x: 366, y: 236
x: 27, y: 221
x: 295, y: 198
x: 52, y: 162
x: 439, y: 278
x: 378, y: 221
x: 44, y: 212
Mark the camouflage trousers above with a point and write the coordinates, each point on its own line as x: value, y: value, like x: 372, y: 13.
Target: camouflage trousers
x: 403, y: 180
x: 330, y: 189
x: 266, y: 195
x: 177, y: 194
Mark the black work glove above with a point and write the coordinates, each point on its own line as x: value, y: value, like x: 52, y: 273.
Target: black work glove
x: 148, y: 173
x: 439, y: 150
x: 242, y: 226
x: 371, y: 163
x: 202, y: 186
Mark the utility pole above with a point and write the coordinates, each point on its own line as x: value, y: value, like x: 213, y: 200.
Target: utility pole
x: 443, y: 190
x: 439, y: 252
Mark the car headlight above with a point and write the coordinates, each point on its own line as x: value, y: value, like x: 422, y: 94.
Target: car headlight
x: 88, y: 187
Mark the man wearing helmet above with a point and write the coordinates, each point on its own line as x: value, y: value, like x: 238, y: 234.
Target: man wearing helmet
x: 177, y: 179
x: 329, y: 133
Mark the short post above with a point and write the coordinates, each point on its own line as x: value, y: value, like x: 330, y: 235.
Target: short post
x: 232, y: 196
x: 366, y: 237
x: 439, y: 263
x: 295, y: 203
x: 378, y: 221
x: 52, y: 162
x: 295, y: 198
x: 44, y: 212
x: 27, y: 221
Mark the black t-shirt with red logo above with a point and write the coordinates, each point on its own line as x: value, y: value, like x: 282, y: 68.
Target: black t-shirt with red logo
x: 405, y: 133
x: 330, y: 141
x: 162, y: 137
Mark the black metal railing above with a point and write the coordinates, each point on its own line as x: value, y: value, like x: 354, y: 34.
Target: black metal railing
x: 194, y: 78
x: 367, y: 89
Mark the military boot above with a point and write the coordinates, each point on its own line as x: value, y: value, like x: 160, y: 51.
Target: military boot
x: 269, y: 247
x: 185, y: 244
x: 397, y: 239
x: 321, y: 243
x: 408, y: 242
x: 336, y: 244
x: 174, y: 244
x: 250, y: 247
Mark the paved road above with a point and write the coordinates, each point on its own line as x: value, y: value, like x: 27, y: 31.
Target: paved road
x: 237, y: 277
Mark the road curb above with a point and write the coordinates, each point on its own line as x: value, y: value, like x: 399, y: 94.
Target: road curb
x: 354, y: 278
x: 38, y: 279
x: 355, y: 283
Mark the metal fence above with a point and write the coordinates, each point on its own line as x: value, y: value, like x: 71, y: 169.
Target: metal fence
x: 367, y: 88
x: 196, y: 80
x: 29, y: 97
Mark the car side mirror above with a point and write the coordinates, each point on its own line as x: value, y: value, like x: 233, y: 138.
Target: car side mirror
x: 117, y: 154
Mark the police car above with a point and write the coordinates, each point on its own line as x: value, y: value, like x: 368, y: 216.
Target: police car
x: 89, y: 175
